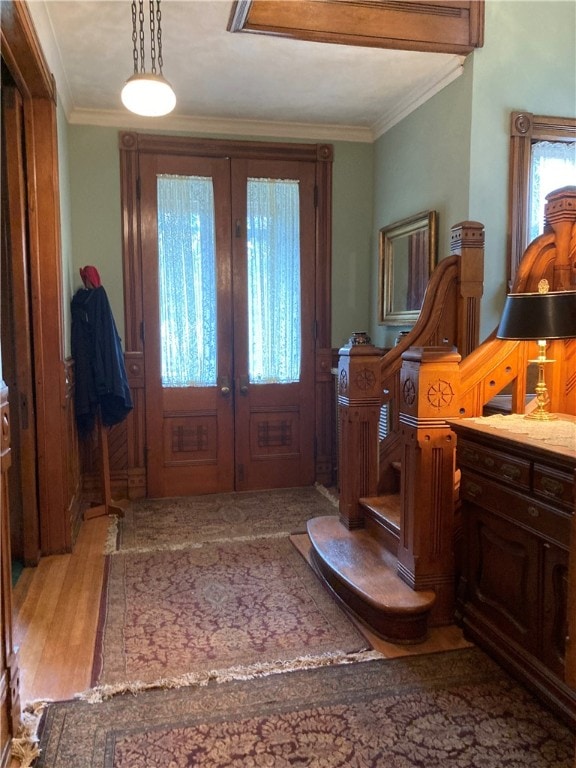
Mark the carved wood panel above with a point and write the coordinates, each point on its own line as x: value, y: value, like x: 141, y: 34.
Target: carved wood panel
x: 441, y: 26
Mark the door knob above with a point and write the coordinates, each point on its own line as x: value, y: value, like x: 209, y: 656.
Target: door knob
x: 243, y: 385
x: 224, y: 384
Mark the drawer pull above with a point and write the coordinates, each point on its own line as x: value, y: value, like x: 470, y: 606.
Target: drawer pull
x: 552, y: 487
x: 469, y: 455
x: 533, y: 512
x: 473, y: 489
x: 510, y: 471
x: 488, y: 461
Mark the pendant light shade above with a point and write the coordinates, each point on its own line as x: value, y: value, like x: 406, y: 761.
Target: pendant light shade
x: 147, y: 94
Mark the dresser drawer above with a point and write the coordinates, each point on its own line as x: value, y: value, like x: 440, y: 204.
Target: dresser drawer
x: 502, y: 466
x: 528, y: 511
x: 554, y: 486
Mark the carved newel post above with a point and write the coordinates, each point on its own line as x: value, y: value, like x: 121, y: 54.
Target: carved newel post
x: 559, y: 217
x: 429, y: 382
x: 359, y: 399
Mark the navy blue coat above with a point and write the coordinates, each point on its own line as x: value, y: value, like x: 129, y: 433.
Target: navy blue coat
x: 101, y: 383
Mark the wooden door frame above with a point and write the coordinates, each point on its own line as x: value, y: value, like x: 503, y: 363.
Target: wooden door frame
x: 23, y: 56
x: 133, y: 144
x: 17, y: 335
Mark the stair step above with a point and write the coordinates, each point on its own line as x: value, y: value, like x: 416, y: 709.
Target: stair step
x: 383, y: 518
x: 386, y: 507
x: 362, y: 573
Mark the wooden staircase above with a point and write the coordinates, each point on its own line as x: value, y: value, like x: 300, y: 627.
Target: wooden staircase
x: 360, y: 568
x: 393, y: 558
x: 389, y: 556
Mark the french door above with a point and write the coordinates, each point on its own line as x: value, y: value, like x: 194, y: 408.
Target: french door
x: 228, y: 265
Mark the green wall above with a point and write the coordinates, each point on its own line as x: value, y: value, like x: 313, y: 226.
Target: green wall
x: 527, y: 64
x: 95, y: 209
x: 65, y: 225
x: 451, y: 154
x: 97, y: 231
x: 422, y: 163
x: 353, y: 182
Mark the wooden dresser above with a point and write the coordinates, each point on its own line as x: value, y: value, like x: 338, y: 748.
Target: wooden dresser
x: 518, y: 501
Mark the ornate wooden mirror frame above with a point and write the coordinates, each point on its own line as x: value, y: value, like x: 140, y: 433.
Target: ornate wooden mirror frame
x: 408, y: 251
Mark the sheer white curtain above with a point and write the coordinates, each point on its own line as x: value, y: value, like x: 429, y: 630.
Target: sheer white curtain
x: 274, y: 313
x: 187, y: 280
x: 553, y: 166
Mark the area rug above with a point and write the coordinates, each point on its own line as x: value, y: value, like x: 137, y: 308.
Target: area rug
x: 222, y: 610
x: 454, y: 709
x: 192, y: 520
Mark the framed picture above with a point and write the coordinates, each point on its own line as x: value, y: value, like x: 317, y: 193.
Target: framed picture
x: 408, y: 252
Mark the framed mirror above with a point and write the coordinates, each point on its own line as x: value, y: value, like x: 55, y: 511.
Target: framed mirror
x: 407, y: 255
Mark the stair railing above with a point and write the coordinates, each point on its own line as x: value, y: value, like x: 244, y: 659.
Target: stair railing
x: 436, y: 388
x: 369, y: 382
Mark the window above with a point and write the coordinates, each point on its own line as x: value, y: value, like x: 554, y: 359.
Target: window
x: 552, y: 165
x: 187, y: 280
x: 542, y: 153
x: 274, y: 310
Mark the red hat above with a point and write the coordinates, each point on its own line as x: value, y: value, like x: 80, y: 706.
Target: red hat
x: 90, y: 277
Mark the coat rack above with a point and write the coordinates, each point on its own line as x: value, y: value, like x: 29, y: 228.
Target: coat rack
x: 92, y: 310
x: 108, y: 505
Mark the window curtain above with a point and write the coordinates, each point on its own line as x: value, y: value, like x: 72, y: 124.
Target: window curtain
x: 187, y: 280
x: 553, y: 166
x: 273, y: 250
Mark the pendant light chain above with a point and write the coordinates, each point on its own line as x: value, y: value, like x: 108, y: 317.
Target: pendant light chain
x: 141, y: 20
x: 147, y: 94
x: 155, y: 36
x: 134, y: 37
x: 152, y: 39
x: 159, y: 36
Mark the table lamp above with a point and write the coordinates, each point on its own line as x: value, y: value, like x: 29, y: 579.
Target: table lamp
x: 539, y: 317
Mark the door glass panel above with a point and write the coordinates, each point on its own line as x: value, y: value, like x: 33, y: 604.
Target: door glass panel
x: 187, y: 280
x: 274, y: 308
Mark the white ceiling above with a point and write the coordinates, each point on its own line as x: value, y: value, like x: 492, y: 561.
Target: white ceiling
x: 233, y: 82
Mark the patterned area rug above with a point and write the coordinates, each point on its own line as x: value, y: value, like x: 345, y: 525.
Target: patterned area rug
x: 448, y: 710
x: 231, y: 609
x: 187, y: 521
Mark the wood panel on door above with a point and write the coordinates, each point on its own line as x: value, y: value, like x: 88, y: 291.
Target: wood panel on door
x: 238, y: 428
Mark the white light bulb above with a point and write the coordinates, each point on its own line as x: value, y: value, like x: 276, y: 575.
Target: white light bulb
x: 148, y: 95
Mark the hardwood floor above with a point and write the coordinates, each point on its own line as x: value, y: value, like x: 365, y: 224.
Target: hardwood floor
x: 55, y: 617
x: 56, y: 613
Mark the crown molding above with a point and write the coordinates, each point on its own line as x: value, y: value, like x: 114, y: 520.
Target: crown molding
x: 451, y: 71
x: 221, y: 126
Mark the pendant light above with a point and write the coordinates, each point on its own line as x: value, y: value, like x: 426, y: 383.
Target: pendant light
x: 147, y: 94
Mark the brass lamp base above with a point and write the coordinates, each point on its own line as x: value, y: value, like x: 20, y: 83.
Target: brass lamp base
x: 539, y: 415
x: 541, y: 412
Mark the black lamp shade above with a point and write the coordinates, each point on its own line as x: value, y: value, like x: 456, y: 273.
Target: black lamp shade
x: 539, y: 316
